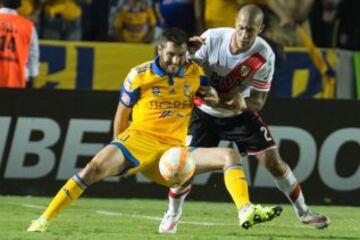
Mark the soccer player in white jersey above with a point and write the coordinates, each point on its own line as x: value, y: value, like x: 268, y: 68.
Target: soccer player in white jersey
x: 240, y: 65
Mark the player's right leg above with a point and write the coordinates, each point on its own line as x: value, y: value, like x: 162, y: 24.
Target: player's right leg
x: 177, y: 195
x: 172, y: 216
x: 286, y: 182
x: 263, y: 146
x: 109, y: 161
x: 235, y: 181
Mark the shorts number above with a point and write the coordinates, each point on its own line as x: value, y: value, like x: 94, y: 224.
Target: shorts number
x: 266, y: 134
x: 124, y: 138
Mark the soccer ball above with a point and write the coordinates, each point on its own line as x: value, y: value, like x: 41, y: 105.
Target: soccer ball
x: 176, y: 166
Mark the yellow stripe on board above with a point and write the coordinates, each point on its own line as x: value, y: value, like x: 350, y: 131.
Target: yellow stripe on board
x: 300, y: 81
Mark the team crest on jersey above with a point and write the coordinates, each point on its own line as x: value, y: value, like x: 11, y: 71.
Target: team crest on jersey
x: 187, y: 90
x: 155, y: 91
x: 244, y: 70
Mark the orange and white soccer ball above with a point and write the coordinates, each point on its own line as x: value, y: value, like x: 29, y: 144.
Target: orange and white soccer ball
x: 176, y: 166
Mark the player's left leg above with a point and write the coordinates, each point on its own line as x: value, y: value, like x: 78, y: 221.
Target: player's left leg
x: 107, y: 162
x: 208, y: 159
x: 286, y: 182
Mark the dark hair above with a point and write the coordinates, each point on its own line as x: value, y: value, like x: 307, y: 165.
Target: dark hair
x: 13, y: 4
x: 174, y: 35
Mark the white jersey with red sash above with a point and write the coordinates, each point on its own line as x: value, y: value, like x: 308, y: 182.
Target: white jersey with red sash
x: 252, y: 69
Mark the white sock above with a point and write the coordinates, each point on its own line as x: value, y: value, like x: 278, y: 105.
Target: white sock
x: 43, y: 219
x: 291, y: 188
x: 176, y: 198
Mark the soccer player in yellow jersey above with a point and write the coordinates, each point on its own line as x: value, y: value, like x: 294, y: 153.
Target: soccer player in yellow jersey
x: 160, y: 94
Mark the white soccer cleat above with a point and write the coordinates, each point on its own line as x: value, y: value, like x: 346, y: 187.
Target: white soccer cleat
x: 315, y: 219
x: 169, y: 222
x: 38, y: 225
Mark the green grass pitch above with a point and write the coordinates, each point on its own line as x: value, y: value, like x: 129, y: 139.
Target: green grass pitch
x: 103, y: 219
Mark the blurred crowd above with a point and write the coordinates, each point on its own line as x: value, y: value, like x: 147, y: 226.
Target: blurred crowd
x: 330, y: 23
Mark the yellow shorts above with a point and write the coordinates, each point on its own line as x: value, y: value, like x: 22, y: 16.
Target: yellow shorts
x: 144, y: 152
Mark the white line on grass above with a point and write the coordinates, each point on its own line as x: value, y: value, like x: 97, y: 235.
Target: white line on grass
x: 158, y: 219
x: 33, y: 206
x: 107, y: 213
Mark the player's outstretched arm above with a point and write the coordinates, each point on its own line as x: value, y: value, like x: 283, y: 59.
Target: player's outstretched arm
x: 121, y: 119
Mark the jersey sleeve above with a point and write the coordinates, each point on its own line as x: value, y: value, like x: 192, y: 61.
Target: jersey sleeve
x: 202, y: 54
x: 32, y: 65
x: 262, y: 78
x: 130, y: 90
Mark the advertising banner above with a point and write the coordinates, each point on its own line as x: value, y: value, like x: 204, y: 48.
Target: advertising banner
x: 300, y: 77
x: 103, y: 66
x: 46, y: 136
x: 81, y: 65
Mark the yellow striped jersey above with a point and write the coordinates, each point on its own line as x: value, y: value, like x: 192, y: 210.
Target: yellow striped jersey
x: 162, y: 103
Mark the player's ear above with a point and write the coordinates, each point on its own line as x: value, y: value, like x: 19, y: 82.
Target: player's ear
x: 261, y: 28
x: 159, y: 49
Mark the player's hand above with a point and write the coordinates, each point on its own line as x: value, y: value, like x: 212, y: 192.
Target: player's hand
x: 210, y: 96
x: 195, y: 44
x: 236, y: 103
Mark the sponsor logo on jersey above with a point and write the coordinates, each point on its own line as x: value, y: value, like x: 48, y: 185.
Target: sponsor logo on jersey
x: 169, y: 113
x: 170, y: 104
x: 166, y: 113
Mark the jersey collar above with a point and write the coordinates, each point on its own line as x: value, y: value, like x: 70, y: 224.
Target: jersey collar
x: 158, y: 71
x: 8, y: 11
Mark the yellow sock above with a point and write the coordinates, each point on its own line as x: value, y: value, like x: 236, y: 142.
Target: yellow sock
x: 237, y: 186
x: 67, y: 194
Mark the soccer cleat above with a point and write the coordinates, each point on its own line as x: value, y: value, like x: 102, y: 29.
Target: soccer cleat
x: 169, y: 222
x: 38, y: 225
x: 272, y: 212
x: 250, y: 214
x: 315, y: 220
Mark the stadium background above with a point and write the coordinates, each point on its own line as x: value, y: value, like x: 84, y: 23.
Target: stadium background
x: 103, y: 66
x: 44, y: 141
